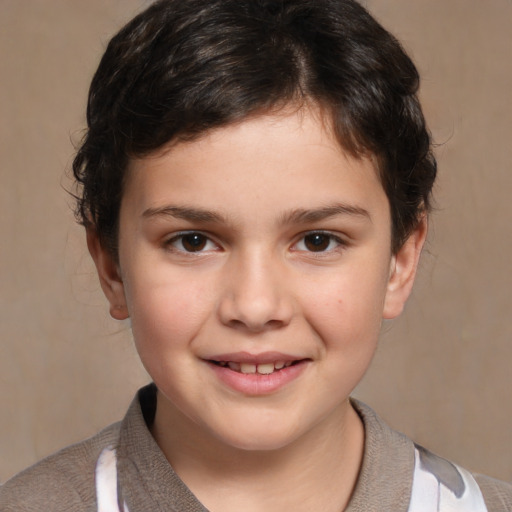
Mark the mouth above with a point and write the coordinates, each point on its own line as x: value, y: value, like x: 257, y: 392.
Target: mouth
x: 257, y: 374
x: 266, y: 368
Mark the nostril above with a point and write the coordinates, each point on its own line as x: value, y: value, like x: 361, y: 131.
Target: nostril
x: 255, y: 326
x: 274, y: 324
x: 255, y: 309
x: 236, y: 324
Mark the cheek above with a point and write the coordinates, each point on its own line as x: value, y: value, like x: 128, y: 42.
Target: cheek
x: 166, y: 312
x: 346, y: 310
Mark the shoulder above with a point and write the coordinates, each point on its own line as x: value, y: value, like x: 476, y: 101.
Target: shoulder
x: 452, y: 487
x: 422, y: 479
x: 61, y: 482
x: 497, y: 494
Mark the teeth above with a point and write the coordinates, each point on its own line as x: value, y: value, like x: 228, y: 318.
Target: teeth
x: 266, y: 369
x: 247, y: 368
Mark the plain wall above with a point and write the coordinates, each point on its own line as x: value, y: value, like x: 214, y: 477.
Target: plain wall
x: 442, y: 372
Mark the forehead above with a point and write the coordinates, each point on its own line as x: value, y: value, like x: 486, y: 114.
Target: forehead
x: 283, y: 162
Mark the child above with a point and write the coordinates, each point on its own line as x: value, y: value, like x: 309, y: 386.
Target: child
x: 256, y: 180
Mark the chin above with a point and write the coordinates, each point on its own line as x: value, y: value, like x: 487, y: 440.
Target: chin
x: 250, y: 438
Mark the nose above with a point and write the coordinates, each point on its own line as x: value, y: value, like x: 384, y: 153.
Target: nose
x: 255, y: 295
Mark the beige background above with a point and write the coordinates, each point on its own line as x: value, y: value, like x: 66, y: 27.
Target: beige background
x: 442, y: 373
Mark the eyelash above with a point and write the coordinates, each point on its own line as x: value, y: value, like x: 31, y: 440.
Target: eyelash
x: 180, y: 237
x: 206, y: 240
x: 331, y: 238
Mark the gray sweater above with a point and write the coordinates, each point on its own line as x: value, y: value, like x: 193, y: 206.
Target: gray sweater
x: 65, y: 481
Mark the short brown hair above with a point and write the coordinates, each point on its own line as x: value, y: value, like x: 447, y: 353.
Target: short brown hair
x: 183, y: 67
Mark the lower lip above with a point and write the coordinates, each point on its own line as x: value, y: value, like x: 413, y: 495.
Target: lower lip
x: 257, y: 384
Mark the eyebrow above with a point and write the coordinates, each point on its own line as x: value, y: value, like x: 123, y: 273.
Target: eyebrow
x: 304, y: 215
x: 185, y: 213
x: 300, y: 215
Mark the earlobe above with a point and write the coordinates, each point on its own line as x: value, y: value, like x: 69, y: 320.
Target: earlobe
x: 403, y: 271
x: 109, y: 275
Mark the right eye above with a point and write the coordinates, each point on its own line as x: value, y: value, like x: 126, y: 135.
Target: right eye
x: 320, y: 242
x: 191, y: 242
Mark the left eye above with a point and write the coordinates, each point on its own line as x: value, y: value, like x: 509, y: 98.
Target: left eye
x: 191, y: 242
x: 318, y: 242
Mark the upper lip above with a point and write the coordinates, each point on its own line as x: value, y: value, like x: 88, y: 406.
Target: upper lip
x: 248, y: 358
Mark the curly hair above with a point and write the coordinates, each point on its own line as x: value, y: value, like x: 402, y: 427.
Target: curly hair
x: 183, y: 67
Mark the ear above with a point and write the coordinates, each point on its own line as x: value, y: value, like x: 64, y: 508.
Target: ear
x: 109, y: 275
x: 403, y: 271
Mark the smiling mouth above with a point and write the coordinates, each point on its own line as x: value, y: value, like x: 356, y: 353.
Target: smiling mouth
x: 261, y: 369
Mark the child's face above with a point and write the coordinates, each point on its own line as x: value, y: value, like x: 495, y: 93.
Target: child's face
x: 265, y: 244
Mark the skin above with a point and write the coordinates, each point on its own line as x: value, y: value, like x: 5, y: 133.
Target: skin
x: 255, y: 198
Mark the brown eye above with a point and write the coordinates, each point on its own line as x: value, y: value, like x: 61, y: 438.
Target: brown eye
x: 191, y: 242
x: 194, y: 242
x: 317, y: 242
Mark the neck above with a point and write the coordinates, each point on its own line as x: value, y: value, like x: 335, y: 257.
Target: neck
x: 317, y: 471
